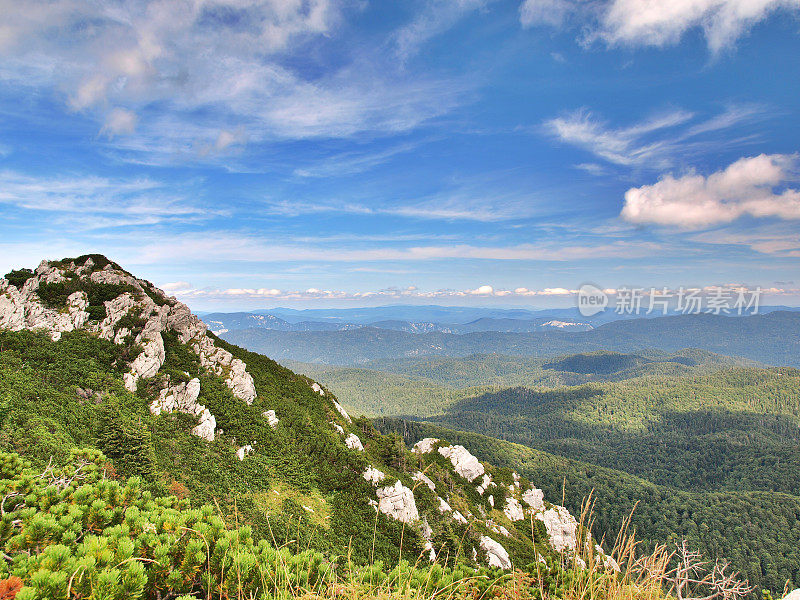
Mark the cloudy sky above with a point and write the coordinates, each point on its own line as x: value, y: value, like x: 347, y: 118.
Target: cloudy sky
x: 245, y: 153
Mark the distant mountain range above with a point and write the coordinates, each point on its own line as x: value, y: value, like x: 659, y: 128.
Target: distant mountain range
x: 223, y: 322
x: 442, y: 317
x: 772, y: 338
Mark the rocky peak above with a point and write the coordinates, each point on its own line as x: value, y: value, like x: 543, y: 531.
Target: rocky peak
x: 95, y: 294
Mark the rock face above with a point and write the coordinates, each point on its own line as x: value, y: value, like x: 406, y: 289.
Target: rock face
x: 183, y: 398
x: 513, y: 509
x: 464, y: 463
x: 22, y: 308
x: 534, y: 498
x: 496, y: 555
x: 352, y: 442
x: 424, y: 446
x: 342, y: 411
x: 397, y: 501
x: 373, y: 475
x: 141, y: 303
x: 793, y: 595
x: 562, y: 528
x: 421, y: 477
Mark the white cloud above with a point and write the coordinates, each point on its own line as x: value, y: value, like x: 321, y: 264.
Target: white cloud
x: 202, y: 76
x: 119, y: 121
x: 653, y: 23
x: 437, y: 16
x: 545, y: 12
x: 391, y: 293
x: 176, y: 286
x: 653, y: 142
x: 751, y: 186
x: 97, y: 202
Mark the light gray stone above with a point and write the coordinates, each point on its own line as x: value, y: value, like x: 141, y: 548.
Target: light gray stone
x: 397, y: 501
x: 496, y: 555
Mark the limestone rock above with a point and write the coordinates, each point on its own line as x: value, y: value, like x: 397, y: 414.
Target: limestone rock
x: 496, y: 555
x: 183, y: 398
x: 352, y: 442
x: 317, y: 388
x: 464, y: 463
x: 342, y: 411
x: 424, y: 446
x: 244, y: 451
x: 485, y: 483
x: 338, y: 427
x: 534, y: 498
x: 793, y: 595
x: 457, y: 516
x: 444, y: 506
x: 271, y: 417
x: 420, y: 476
x: 513, y: 509
x: 373, y: 475
x: 562, y: 528
x: 397, y: 502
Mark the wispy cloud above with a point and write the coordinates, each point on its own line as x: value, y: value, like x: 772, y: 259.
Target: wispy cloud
x: 647, y: 23
x: 351, y: 163
x: 654, y: 142
x: 138, y: 70
x: 97, y: 202
x: 436, y: 17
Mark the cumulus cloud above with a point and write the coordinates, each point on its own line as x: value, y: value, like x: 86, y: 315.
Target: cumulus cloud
x: 754, y: 186
x: 391, y: 293
x: 648, y: 23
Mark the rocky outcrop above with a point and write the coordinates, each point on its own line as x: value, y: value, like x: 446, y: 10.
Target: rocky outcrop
x: 424, y: 446
x: 149, y: 307
x: 464, y: 463
x: 496, y: 555
x: 342, y: 411
x: 244, y: 451
x: 22, y: 309
x: 271, y: 417
x: 534, y: 498
x: 513, y: 509
x: 352, y: 442
x: 562, y: 528
x: 794, y: 595
x: 183, y: 398
x: 397, y: 501
x: 485, y: 483
x: 422, y: 478
x: 373, y: 475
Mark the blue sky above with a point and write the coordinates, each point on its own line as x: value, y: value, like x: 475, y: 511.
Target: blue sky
x: 252, y: 154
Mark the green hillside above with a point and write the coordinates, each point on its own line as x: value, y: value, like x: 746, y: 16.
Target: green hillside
x: 758, y: 531
x: 733, y: 429
x: 426, y: 386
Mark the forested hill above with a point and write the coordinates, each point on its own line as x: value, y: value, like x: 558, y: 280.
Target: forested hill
x: 772, y: 338
x: 734, y: 429
x: 758, y: 531
x: 428, y: 385
x: 98, y: 364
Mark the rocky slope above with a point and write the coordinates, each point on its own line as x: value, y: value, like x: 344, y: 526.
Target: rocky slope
x: 446, y: 498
